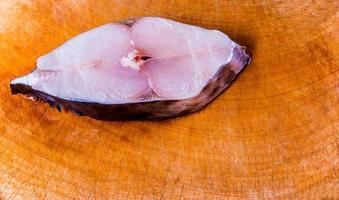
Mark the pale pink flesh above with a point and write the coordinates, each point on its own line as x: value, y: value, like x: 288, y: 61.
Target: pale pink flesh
x: 87, y: 68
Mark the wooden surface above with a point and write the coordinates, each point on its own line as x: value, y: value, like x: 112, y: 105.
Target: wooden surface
x: 272, y: 135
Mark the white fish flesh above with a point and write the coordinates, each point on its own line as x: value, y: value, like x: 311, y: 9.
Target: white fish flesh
x: 148, y: 67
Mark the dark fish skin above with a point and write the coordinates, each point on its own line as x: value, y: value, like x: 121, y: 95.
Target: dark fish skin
x: 146, y: 110
x: 129, y: 22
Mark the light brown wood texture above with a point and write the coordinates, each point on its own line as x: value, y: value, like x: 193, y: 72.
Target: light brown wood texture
x: 272, y: 135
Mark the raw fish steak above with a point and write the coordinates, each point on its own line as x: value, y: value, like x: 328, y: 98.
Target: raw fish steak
x: 145, y: 68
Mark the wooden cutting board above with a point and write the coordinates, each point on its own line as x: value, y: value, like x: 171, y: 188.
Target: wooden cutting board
x: 272, y: 135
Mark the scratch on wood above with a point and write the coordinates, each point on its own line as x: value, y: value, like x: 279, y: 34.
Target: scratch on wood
x: 1, y: 197
x: 103, y: 168
x: 163, y: 187
x: 182, y: 190
x: 38, y: 125
x: 43, y: 114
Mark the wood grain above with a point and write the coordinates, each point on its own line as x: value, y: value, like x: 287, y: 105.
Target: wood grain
x: 272, y: 135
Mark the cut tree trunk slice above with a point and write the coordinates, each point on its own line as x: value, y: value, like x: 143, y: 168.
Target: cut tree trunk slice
x: 272, y: 135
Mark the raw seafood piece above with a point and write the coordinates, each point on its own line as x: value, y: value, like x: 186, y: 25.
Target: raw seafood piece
x: 145, y: 68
